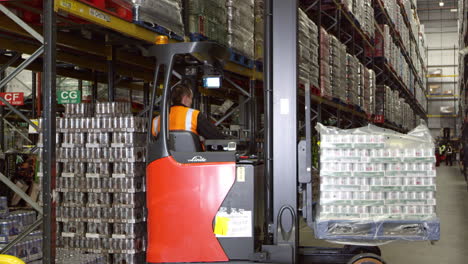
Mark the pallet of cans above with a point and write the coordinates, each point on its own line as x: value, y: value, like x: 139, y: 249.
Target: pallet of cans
x: 376, y: 185
x: 78, y: 257
x: 13, y: 223
x: 101, y: 181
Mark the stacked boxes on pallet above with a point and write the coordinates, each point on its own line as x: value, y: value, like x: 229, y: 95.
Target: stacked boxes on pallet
x: 240, y: 26
x: 101, y: 181
x: 165, y: 13
x: 372, y: 87
x: 363, y: 11
x: 208, y: 18
x: 325, y: 82
x: 361, y: 86
x: 376, y: 184
x: 259, y: 28
x: 337, y: 68
x: 304, y: 44
x: 314, y: 52
x: 368, y: 19
x: 13, y: 223
x: 308, y: 50
x: 352, y: 79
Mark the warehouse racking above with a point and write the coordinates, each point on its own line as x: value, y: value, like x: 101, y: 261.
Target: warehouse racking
x: 112, y: 56
x: 462, y: 84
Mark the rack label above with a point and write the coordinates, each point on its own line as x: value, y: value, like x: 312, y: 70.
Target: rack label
x: 13, y: 98
x: 69, y: 97
x: 99, y: 15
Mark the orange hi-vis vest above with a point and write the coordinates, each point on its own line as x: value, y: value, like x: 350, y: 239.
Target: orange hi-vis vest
x: 180, y: 118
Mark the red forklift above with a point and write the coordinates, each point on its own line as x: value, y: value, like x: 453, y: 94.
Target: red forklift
x: 216, y: 206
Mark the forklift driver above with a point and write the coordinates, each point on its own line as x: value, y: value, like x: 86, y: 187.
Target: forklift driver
x: 182, y: 117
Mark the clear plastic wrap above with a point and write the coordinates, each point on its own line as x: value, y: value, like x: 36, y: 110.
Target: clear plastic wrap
x: 325, y: 85
x: 337, y: 69
x: 165, y: 13
x: 208, y: 18
x: 240, y: 26
x: 352, y: 80
x: 376, y: 185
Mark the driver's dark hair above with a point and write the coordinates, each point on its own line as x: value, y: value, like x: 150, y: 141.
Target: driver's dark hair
x: 178, y: 92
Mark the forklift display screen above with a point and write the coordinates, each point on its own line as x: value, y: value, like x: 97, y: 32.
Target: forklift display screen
x: 212, y: 82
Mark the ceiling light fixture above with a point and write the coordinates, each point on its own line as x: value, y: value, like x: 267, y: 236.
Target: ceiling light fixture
x: 441, y: 3
x: 453, y: 10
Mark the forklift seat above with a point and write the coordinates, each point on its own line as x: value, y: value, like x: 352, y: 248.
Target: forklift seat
x: 184, y: 141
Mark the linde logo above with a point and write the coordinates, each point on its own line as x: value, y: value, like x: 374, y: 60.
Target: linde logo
x: 197, y: 159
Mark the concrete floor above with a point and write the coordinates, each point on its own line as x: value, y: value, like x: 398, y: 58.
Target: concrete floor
x: 452, y: 208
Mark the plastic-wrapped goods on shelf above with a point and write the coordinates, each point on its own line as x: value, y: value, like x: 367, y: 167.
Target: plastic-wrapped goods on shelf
x: 314, y: 52
x: 164, y: 13
x: 366, y: 93
x: 240, y: 26
x: 383, y: 42
x: 259, y: 28
x: 304, y: 48
x: 208, y: 18
x: 380, y: 104
x: 352, y: 80
x: 368, y: 19
x: 325, y: 82
x: 337, y: 68
x: 361, y: 86
x: 377, y: 185
x: 372, y: 87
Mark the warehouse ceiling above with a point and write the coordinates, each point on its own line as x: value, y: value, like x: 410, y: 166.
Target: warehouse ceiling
x: 430, y: 10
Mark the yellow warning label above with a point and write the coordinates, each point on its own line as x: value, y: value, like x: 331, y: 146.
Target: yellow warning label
x: 241, y: 174
x: 221, y: 226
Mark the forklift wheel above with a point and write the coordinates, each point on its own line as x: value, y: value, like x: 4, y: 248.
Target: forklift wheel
x: 367, y: 258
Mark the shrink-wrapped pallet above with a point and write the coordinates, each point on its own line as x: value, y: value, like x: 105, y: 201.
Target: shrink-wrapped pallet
x: 376, y: 185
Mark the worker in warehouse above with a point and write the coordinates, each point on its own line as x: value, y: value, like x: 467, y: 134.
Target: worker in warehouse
x: 183, y: 117
x: 449, y: 155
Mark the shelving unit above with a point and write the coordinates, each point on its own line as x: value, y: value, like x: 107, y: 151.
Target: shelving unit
x: 109, y: 51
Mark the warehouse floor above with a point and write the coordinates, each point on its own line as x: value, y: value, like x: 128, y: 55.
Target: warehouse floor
x: 452, y: 208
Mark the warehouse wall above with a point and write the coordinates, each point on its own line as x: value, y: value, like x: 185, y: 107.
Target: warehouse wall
x: 441, y: 28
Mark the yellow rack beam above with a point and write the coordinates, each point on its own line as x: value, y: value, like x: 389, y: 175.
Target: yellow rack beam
x: 443, y: 95
x: 441, y: 76
x: 441, y: 115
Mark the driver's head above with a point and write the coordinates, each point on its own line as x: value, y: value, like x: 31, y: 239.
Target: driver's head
x: 182, y: 95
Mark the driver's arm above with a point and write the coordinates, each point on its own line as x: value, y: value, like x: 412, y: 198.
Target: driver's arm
x: 206, y: 129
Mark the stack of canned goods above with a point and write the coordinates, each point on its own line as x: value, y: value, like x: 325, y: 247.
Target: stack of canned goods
x: 78, y: 257
x: 28, y: 250
x: 372, y: 174
x: 101, y: 181
x: 12, y: 223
